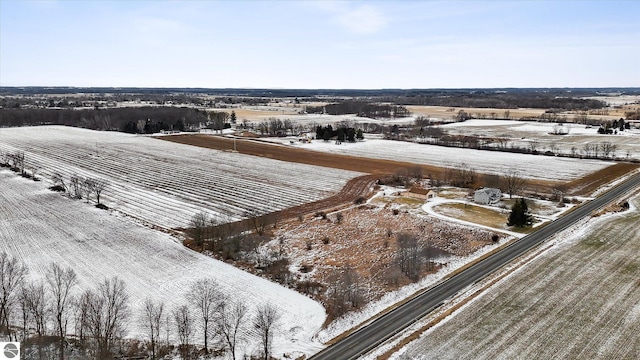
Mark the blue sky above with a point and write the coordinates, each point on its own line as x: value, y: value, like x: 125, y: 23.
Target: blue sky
x: 320, y: 44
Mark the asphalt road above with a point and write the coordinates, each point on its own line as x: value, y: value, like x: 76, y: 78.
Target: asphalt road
x: 374, y: 334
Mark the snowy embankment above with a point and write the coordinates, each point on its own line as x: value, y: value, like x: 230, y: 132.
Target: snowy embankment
x: 491, y: 162
x: 39, y: 227
x: 165, y: 184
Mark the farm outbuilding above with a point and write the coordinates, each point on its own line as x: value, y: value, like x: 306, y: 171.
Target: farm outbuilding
x: 420, y: 193
x: 487, y: 196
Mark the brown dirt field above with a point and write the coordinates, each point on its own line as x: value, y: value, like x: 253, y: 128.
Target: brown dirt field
x: 593, y: 181
x: 284, y: 153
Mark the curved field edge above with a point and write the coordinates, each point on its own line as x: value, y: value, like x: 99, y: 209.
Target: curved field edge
x: 581, y: 299
x: 39, y: 226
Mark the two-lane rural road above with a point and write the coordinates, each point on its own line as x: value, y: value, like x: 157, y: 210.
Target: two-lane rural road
x: 374, y: 334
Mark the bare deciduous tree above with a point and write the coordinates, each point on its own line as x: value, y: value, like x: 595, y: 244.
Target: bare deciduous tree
x: 61, y: 282
x: 76, y: 185
x: 588, y: 149
x: 416, y: 173
x: 259, y: 222
x: 12, y: 273
x: 35, y: 300
x: 574, y: 151
x: 34, y: 170
x: 492, y: 180
x: 608, y: 149
x: 503, y: 141
x: 107, y: 313
x: 352, y: 286
x: 17, y: 160
x: 464, y: 175
x: 198, y: 228
x: 206, y: 297
x: 58, y: 179
x: 26, y: 318
x: 82, y: 318
x: 96, y: 186
x: 559, y: 191
x: 184, y: 325
x: 229, y: 322
x: 409, y: 255
x: 266, y: 322
x: 513, y: 183
x: 151, y: 319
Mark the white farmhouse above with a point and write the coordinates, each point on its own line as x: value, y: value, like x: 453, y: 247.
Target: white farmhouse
x: 487, y: 196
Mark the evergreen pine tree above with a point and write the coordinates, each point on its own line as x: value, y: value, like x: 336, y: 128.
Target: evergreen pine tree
x: 520, y: 215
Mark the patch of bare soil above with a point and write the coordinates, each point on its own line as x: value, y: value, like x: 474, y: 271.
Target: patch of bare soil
x: 336, y: 161
x: 289, y: 154
x: 590, y: 183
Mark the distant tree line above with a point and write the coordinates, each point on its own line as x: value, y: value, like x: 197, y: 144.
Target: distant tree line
x: 361, y: 108
x: 313, y: 93
x: 277, y: 127
x: 131, y: 119
x: 503, y: 101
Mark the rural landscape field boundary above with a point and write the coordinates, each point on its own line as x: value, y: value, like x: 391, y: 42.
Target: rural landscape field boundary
x: 578, y: 187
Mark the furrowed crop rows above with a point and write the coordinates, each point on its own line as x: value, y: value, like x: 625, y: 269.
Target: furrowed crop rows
x: 490, y: 162
x: 39, y: 227
x: 166, y: 184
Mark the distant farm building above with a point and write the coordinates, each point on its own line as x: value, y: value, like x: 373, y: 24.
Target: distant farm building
x: 487, y: 196
x: 420, y: 193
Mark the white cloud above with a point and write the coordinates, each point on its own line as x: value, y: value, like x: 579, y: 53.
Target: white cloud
x: 355, y: 18
x: 362, y: 20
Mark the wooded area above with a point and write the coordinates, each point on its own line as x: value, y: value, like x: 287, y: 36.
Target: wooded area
x: 133, y: 119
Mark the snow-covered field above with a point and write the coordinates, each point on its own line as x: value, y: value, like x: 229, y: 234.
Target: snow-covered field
x: 530, y: 166
x: 523, y: 133
x: 39, y: 226
x: 164, y: 184
x: 579, y: 300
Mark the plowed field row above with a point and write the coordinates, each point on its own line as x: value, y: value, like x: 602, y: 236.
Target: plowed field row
x: 165, y: 184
